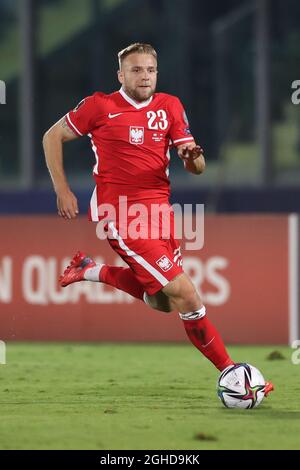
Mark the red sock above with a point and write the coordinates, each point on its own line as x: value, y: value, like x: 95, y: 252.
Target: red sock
x: 122, y: 278
x: 206, y: 338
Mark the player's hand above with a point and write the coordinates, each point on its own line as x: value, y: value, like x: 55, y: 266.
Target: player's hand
x: 67, y: 204
x: 192, y: 157
x: 190, y: 152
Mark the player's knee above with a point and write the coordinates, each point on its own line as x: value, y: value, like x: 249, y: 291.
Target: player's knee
x: 182, y: 294
x: 187, y: 299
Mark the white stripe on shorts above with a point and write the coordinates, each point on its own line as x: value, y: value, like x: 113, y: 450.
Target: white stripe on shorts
x: 139, y: 259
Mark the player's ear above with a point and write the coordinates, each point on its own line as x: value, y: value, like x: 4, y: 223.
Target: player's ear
x: 120, y: 76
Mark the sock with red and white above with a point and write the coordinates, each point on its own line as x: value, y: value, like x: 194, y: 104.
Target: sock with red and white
x: 116, y: 276
x: 206, y: 338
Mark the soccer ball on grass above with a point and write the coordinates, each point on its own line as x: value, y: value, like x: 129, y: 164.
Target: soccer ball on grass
x: 241, y: 386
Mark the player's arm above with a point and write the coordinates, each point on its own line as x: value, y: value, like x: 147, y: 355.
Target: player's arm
x: 192, y: 157
x: 53, y: 141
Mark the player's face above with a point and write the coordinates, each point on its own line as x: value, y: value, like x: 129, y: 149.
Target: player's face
x: 138, y: 76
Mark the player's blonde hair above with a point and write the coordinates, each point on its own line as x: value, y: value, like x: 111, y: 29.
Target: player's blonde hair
x: 138, y: 47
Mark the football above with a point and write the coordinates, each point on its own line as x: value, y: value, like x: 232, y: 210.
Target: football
x: 241, y: 386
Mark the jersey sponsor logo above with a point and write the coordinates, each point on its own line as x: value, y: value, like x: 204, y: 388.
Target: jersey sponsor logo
x: 111, y: 116
x: 136, y: 135
x: 164, y: 263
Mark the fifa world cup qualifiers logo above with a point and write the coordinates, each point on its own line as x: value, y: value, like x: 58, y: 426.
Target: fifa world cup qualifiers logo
x: 2, y: 92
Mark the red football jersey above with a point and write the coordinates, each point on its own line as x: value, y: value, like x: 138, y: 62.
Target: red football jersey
x: 131, y: 144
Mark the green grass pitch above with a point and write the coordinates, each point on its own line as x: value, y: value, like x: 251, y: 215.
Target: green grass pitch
x: 113, y: 396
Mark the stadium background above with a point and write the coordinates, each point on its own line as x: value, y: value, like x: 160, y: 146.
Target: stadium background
x: 232, y: 64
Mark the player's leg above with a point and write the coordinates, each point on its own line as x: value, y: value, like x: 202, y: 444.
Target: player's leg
x: 125, y: 280
x: 202, y: 333
x: 83, y: 268
x: 157, y: 265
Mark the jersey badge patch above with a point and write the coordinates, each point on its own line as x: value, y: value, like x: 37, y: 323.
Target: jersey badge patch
x: 136, y: 135
x: 164, y: 263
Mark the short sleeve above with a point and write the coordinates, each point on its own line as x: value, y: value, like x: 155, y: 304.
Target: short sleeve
x: 82, y: 119
x: 179, y: 130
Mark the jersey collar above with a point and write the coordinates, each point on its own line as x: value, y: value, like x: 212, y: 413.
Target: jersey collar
x: 132, y: 102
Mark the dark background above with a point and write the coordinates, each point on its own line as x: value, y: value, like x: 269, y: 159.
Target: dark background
x: 232, y: 64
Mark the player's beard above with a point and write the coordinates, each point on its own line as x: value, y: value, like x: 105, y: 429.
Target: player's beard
x: 141, y: 93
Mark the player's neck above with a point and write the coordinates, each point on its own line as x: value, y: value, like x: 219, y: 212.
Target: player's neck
x: 131, y: 100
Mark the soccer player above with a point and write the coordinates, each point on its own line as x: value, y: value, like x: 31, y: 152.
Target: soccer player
x: 130, y: 132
